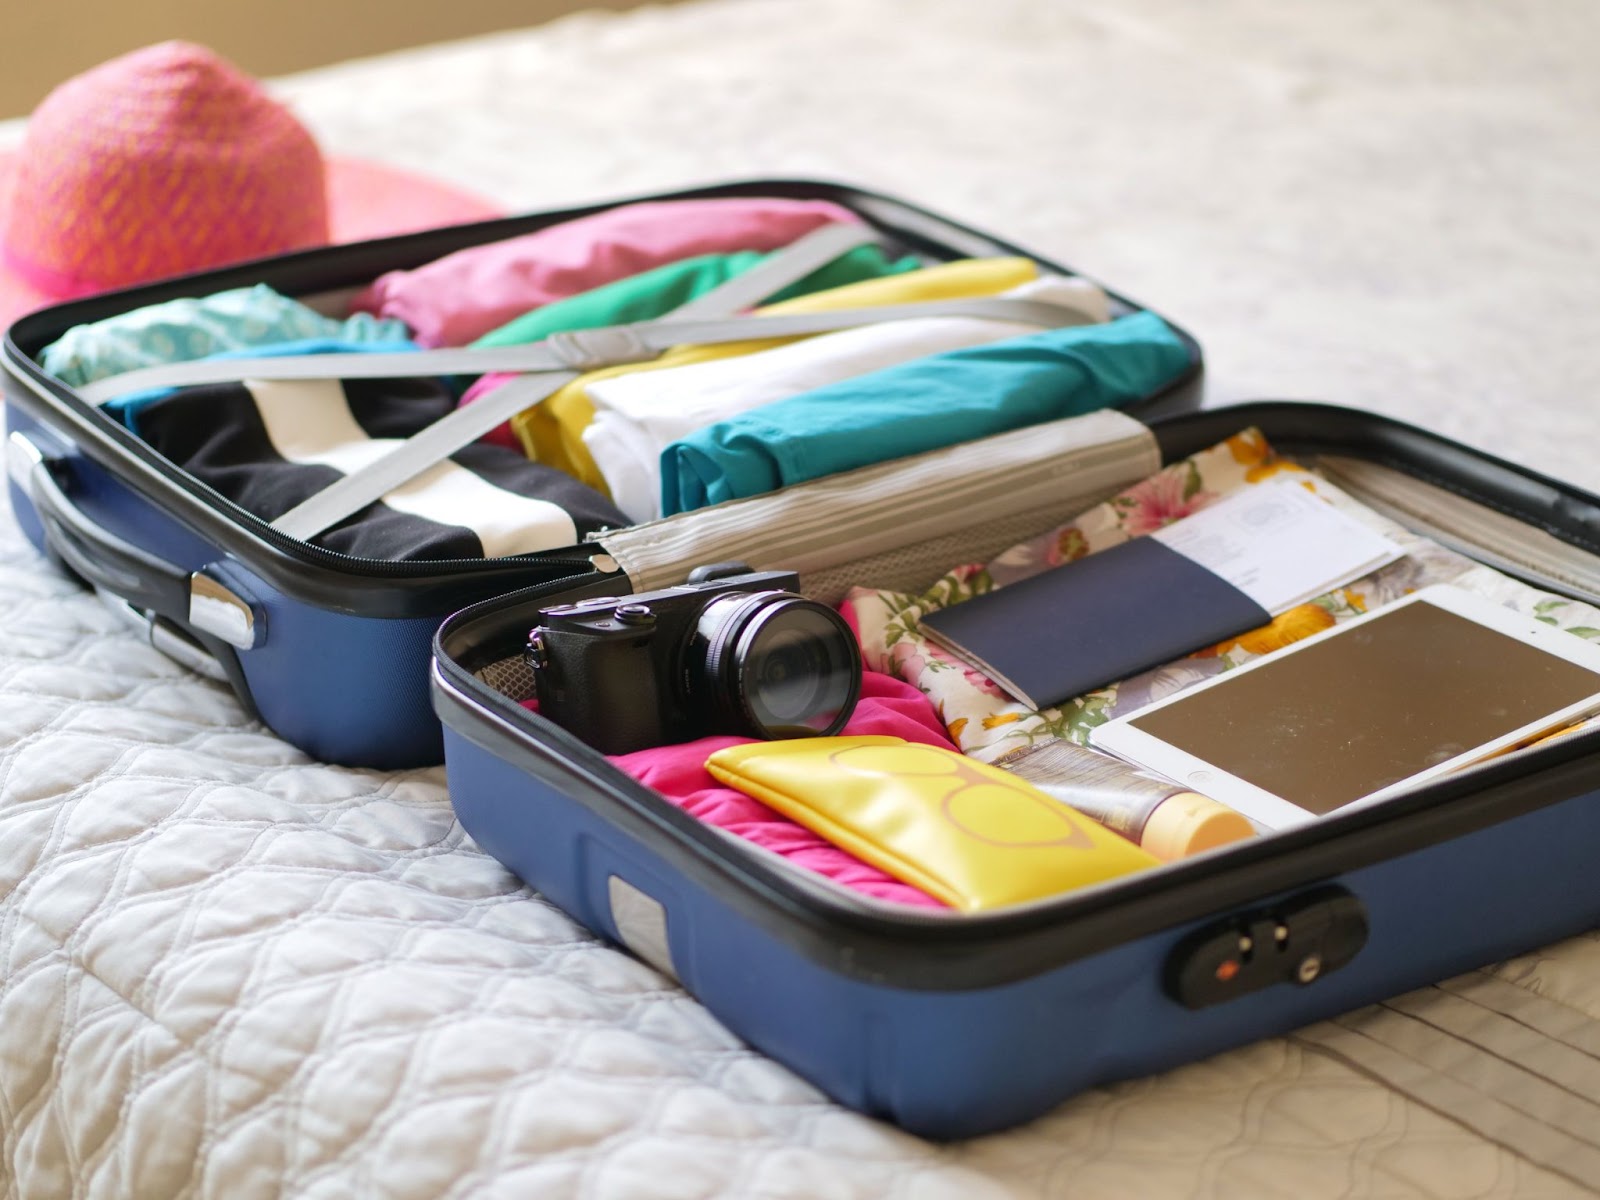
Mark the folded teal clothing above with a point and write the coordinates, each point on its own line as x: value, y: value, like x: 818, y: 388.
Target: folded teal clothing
x: 657, y: 292
x: 198, y: 327
x: 922, y: 405
x: 130, y: 406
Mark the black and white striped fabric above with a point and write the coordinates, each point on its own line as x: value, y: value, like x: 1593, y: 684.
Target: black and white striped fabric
x: 267, y: 446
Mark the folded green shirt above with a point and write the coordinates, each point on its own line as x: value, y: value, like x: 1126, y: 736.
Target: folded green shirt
x: 657, y: 292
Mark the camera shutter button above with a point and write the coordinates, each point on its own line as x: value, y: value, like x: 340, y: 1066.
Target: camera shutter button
x: 635, y: 614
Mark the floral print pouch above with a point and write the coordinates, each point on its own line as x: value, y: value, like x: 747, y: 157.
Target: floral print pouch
x: 986, y: 723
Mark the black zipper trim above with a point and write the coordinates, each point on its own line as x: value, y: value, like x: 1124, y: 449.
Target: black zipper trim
x: 115, y: 443
x: 301, y: 570
x: 1504, y: 487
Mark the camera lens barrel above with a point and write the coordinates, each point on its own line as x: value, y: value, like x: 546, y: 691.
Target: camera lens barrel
x: 775, y: 665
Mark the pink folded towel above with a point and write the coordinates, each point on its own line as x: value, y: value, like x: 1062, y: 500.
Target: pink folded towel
x: 464, y: 295
x: 887, y: 706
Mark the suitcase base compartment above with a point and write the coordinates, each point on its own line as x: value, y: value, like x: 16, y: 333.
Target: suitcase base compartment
x: 953, y: 1025
x: 964, y: 1060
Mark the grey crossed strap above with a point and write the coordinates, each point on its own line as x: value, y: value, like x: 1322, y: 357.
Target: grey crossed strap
x: 566, y: 351
x: 573, y: 352
x: 608, y: 346
x: 1520, y: 1070
x: 442, y: 439
x: 546, y: 366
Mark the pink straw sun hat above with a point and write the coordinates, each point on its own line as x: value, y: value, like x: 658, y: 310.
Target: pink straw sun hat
x: 169, y: 160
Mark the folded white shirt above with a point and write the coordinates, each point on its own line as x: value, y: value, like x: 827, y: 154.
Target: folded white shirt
x: 640, y: 414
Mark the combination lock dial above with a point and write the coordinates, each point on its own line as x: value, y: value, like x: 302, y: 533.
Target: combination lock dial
x: 1296, y: 942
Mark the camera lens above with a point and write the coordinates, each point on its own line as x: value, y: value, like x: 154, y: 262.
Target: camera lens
x: 778, y: 665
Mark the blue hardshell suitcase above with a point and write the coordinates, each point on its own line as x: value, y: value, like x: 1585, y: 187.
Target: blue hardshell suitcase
x: 328, y: 650
x: 952, y: 1025
x: 949, y: 1025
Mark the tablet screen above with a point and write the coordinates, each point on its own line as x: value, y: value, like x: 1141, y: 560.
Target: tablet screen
x: 1376, y: 703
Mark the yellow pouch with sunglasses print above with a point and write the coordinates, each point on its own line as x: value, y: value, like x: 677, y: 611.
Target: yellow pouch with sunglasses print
x: 967, y: 833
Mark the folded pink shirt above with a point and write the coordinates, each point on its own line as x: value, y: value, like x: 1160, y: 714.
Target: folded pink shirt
x: 887, y: 706
x: 464, y: 295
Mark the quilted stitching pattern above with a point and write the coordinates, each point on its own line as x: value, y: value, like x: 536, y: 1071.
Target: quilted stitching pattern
x: 229, y: 971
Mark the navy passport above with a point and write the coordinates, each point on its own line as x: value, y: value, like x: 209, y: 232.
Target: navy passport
x: 1094, y: 621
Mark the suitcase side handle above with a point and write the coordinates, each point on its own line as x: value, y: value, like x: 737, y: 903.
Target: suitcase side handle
x: 190, y: 617
x: 94, y: 553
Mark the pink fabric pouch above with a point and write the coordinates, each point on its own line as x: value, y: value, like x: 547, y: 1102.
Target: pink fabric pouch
x: 887, y: 706
x: 464, y: 295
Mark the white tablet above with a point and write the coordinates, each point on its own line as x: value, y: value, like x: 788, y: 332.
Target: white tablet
x: 1406, y: 693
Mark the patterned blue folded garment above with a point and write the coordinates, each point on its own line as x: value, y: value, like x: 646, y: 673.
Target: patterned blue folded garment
x: 922, y: 405
x: 199, y: 327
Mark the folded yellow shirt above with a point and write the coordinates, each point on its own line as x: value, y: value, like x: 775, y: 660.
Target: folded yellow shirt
x: 967, y: 833
x: 552, y: 430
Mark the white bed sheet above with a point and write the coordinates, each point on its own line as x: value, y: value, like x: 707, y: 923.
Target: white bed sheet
x: 228, y: 971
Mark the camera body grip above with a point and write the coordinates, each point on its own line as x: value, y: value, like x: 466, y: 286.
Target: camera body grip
x: 593, y: 681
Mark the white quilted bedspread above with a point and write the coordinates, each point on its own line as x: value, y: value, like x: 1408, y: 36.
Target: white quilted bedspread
x: 227, y: 971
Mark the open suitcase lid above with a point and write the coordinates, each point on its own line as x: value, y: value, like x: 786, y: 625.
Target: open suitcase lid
x: 306, y: 571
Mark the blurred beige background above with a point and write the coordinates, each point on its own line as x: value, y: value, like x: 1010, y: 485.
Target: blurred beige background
x: 47, y: 43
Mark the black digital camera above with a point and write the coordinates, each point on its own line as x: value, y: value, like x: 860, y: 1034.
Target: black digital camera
x: 724, y: 653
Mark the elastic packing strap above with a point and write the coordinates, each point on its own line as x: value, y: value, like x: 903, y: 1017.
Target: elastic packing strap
x: 575, y: 352
x: 603, y: 347
x: 570, y: 354
x: 460, y: 428
x: 465, y: 425
x: 777, y: 271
